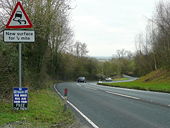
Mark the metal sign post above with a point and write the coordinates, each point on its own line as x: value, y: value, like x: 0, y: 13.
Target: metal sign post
x: 19, y: 19
x: 20, y: 65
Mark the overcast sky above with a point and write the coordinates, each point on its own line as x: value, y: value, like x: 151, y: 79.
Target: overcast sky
x: 109, y: 25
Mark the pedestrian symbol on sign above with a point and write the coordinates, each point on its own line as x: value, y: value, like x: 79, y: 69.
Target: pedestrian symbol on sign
x: 18, y: 17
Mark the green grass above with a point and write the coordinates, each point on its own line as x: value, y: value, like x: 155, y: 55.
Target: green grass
x: 119, y: 79
x: 158, y: 80
x: 162, y: 87
x: 45, y: 110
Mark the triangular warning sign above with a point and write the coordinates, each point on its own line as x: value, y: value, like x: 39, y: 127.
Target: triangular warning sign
x: 19, y: 18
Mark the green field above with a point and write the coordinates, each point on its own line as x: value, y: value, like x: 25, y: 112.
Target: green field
x: 45, y: 110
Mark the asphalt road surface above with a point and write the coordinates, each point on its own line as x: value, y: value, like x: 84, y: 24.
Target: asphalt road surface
x: 108, y: 107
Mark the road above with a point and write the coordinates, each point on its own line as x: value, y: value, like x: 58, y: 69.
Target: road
x: 110, y: 107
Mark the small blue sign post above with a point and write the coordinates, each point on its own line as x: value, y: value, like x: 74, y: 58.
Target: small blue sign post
x: 20, y: 98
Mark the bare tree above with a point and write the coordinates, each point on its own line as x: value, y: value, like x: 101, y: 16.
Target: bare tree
x: 80, y: 49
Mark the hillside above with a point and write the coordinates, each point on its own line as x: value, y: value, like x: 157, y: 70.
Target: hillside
x: 155, y: 81
x: 158, y: 76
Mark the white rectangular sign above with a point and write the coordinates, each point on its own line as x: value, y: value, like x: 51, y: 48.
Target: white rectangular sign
x: 22, y: 36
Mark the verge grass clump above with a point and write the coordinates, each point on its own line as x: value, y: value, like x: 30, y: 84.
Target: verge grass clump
x: 45, y: 110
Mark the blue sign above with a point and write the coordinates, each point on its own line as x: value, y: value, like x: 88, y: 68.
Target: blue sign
x: 20, y: 98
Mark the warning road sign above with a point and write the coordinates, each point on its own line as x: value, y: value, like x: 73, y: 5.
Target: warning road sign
x: 19, y: 18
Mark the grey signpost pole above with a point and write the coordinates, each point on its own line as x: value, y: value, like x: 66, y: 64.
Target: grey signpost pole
x: 20, y: 102
x: 12, y: 23
x: 20, y: 65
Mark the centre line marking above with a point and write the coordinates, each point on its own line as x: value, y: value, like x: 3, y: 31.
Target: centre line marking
x: 118, y: 94
x: 90, y: 88
x: 79, y: 84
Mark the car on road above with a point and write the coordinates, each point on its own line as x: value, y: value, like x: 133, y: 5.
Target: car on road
x: 99, y: 82
x: 108, y: 79
x: 81, y: 79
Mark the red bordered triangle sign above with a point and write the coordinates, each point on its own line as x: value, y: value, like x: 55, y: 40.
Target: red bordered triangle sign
x: 19, y: 18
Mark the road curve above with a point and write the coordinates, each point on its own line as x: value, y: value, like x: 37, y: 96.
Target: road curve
x: 110, y: 107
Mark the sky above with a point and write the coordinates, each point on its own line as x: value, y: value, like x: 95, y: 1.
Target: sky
x: 110, y: 25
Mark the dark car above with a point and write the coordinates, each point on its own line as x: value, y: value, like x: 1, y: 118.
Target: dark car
x: 81, y: 79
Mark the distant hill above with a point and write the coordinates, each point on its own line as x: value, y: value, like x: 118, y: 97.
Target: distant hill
x: 102, y: 58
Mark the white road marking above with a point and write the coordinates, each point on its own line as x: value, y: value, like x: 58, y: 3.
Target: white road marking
x: 85, y: 117
x: 79, y: 84
x: 94, y: 125
x: 90, y: 88
x: 58, y: 92
x: 118, y: 94
x: 169, y: 105
x: 93, y: 84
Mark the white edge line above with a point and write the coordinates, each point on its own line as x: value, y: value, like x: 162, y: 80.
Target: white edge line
x: 94, y: 125
x: 123, y: 95
x: 58, y: 92
x: 85, y: 117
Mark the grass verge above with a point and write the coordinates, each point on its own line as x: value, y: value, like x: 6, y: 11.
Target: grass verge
x: 152, y: 86
x: 158, y: 80
x: 119, y: 79
x: 45, y: 110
